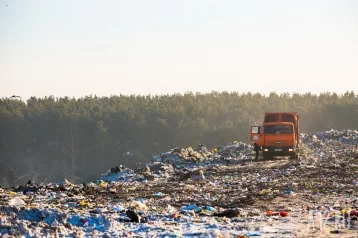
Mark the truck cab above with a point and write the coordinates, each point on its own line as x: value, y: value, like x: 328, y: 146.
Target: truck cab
x: 279, y: 140
x: 280, y: 117
x: 278, y: 136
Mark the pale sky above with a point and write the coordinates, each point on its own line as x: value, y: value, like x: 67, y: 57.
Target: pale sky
x: 81, y: 47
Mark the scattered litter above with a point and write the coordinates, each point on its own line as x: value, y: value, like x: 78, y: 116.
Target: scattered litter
x: 203, y: 192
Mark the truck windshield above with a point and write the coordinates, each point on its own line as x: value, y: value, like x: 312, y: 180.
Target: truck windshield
x: 278, y: 130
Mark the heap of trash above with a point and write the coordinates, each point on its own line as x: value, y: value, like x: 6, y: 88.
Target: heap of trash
x: 217, y: 192
x: 184, y: 157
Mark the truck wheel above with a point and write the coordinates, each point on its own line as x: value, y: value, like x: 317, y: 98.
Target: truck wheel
x: 293, y: 156
x: 267, y: 155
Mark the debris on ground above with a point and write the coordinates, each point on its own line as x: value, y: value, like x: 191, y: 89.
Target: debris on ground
x: 218, y: 192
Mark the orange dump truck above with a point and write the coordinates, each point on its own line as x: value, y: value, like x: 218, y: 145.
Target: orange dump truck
x: 278, y: 136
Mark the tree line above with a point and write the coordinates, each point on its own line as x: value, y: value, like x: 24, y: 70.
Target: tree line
x: 48, y: 139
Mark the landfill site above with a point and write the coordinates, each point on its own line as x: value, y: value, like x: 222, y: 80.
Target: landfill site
x: 201, y: 192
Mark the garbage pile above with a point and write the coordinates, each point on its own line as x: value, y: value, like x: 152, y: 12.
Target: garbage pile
x: 120, y: 173
x: 330, y: 145
x: 219, y: 192
x: 184, y: 157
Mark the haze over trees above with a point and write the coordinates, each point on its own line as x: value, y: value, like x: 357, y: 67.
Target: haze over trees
x: 49, y: 139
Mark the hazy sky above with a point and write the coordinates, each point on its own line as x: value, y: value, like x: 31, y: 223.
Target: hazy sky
x: 103, y: 47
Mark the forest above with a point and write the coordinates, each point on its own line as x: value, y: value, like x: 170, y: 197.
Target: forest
x: 48, y: 139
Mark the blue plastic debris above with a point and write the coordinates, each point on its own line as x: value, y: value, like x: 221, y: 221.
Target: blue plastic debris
x: 159, y: 194
x: 192, y: 207
x: 253, y: 233
x: 209, y: 208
